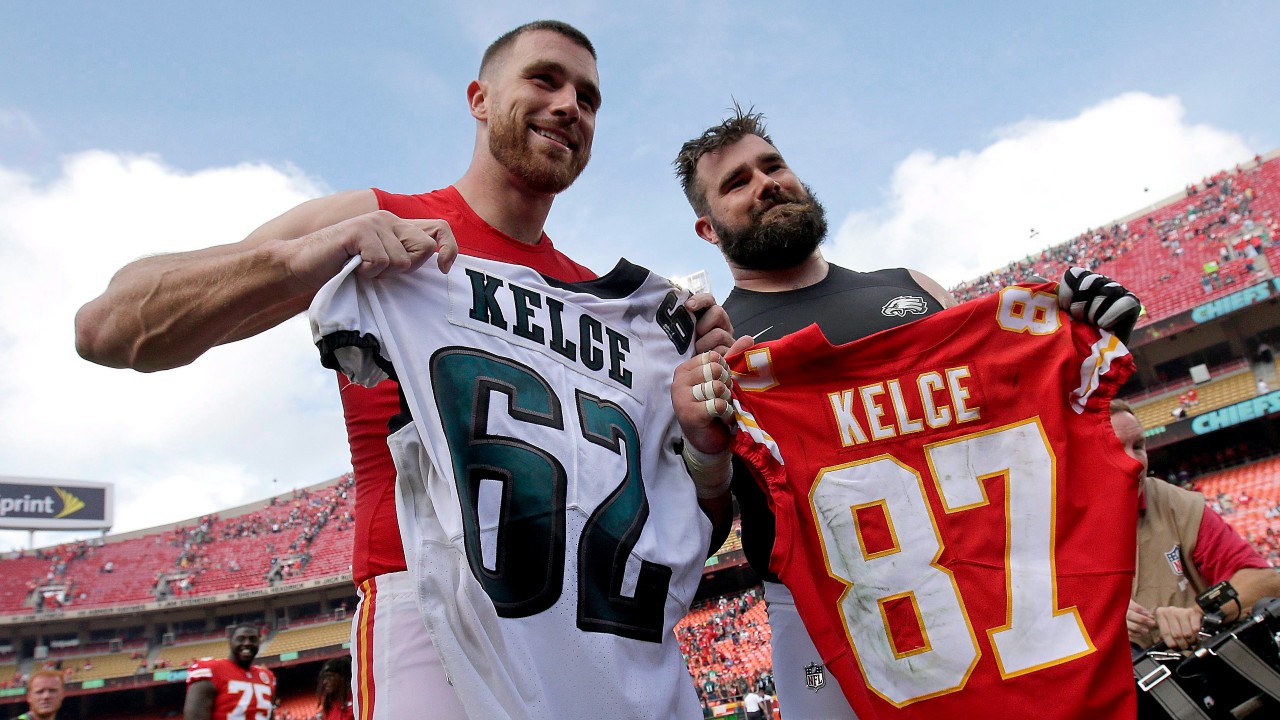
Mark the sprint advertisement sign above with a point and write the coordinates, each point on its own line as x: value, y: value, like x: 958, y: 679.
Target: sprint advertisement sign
x: 38, y: 504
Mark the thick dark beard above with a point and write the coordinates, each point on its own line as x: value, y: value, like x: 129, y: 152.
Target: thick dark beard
x: 783, y: 242
x: 508, y: 142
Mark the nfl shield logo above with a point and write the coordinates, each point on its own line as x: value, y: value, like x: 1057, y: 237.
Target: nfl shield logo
x: 1174, y: 556
x: 814, y: 677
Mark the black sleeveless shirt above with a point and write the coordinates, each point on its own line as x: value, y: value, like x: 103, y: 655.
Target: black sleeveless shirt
x: 847, y: 306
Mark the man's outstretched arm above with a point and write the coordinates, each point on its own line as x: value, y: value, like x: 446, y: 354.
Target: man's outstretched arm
x: 164, y: 311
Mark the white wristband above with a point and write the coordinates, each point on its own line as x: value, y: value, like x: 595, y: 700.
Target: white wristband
x: 711, y: 473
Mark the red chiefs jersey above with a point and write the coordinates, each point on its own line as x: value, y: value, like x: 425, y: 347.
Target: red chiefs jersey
x: 338, y: 712
x: 955, y: 515
x: 377, y: 548
x: 241, y: 694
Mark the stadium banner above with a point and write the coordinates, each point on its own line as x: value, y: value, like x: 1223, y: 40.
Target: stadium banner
x: 1213, y: 420
x: 1241, y: 412
x: 1206, y: 312
x: 1168, y: 434
x: 42, y: 504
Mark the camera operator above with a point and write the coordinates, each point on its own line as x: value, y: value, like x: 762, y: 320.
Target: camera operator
x: 1184, y: 547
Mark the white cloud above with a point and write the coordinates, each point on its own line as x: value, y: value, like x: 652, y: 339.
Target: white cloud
x: 961, y: 216
x: 179, y: 443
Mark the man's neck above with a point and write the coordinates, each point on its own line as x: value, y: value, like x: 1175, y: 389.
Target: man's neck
x: 810, y: 272
x: 511, y: 209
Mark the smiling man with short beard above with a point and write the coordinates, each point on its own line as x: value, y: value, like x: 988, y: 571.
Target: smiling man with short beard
x: 534, y: 104
x: 551, y: 168
x: 542, y: 148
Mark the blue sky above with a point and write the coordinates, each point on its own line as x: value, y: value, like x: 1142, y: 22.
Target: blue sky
x: 936, y: 135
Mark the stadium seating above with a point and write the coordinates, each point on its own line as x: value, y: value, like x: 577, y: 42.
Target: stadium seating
x: 1167, y: 276
x: 307, y: 638
x: 733, y: 541
x: 135, y: 563
x: 298, y: 706
x: 7, y: 672
x: 1248, y: 498
x: 212, y: 555
x: 21, y: 575
x: 108, y: 665
x: 180, y: 656
x: 1230, y: 387
x: 735, y: 665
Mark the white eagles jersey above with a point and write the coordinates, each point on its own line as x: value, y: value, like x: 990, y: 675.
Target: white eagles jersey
x: 547, y: 518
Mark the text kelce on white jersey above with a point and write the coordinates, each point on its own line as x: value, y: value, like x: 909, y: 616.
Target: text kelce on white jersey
x: 497, y: 306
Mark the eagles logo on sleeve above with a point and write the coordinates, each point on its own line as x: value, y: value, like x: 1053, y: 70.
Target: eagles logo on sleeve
x: 904, y: 305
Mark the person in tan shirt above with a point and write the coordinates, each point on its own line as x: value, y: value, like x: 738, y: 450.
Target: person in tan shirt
x: 1184, y: 547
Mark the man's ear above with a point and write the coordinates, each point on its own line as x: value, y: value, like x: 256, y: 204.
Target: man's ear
x: 477, y: 94
x: 703, y: 227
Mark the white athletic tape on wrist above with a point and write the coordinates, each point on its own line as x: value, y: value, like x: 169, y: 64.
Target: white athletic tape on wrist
x: 707, y: 470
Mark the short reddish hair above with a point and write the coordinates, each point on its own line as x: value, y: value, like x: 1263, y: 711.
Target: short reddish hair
x: 49, y: 674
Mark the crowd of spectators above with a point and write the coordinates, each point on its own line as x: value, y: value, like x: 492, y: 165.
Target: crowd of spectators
x: 1268, y: 543
x: 714, y: 638
x: 53, y: 590
x: 1213, y: 224
x: 292, y: 522
x: 303, y: 515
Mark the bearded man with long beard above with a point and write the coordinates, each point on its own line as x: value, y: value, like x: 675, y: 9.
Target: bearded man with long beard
x: 769, y: 226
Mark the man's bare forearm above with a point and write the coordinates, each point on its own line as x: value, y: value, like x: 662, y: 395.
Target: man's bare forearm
x: 1253, y: 584
x: 165, y: 311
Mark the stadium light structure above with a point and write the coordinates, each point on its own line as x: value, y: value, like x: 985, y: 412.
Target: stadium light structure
x: 697, y: 281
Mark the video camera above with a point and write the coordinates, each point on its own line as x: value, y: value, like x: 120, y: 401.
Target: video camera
x: 1212, y: 601
x: 1234, y: 673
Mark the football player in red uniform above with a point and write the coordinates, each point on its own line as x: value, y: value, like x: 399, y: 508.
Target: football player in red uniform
x: 231, y: 688
x: 534, y: 105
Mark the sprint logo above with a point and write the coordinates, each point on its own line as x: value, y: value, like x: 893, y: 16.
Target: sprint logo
x: 27, y: 505
x: 70, y: 503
